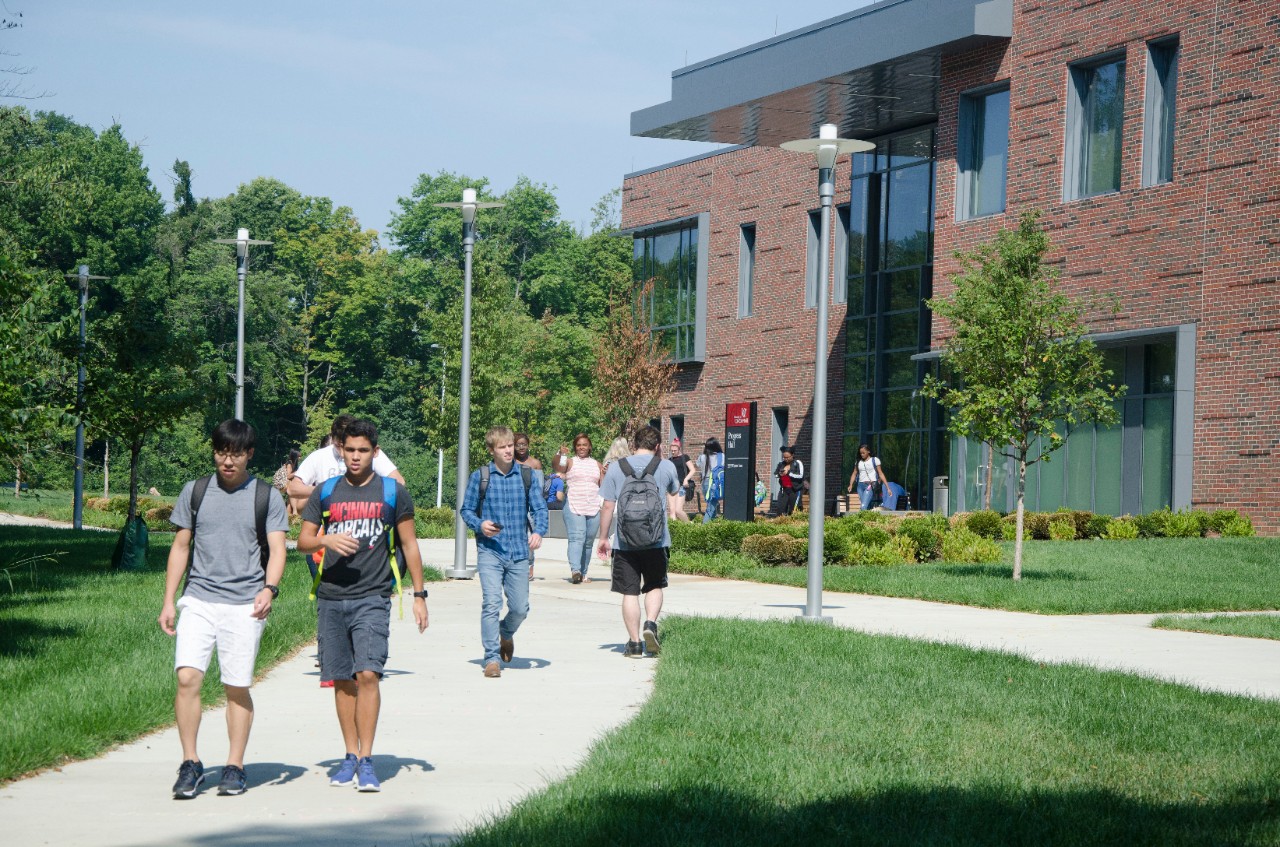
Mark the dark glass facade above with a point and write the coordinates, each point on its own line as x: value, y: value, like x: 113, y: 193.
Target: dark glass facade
x: 890, y: 274
x: 669, y: 260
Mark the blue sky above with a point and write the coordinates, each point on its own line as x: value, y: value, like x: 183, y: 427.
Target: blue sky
x: 353, y: 100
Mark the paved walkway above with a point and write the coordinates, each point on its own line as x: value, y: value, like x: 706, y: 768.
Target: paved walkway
x: 454, y: 748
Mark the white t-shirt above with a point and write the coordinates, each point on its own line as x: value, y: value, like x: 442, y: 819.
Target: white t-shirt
x: 867, y: 470
x: 327, y: 462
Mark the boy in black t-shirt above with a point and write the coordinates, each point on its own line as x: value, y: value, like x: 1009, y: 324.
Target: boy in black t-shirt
x: 353, y: 598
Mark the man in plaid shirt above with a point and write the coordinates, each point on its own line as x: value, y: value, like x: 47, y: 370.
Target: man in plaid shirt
x: 509, y: 522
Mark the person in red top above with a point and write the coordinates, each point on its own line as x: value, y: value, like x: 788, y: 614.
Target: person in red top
x: 790, y: 474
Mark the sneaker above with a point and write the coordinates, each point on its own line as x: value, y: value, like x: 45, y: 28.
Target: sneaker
x: 190, y: 775
x: 493, y: 670
x: 650, y: 636
x: 346, y: 772
x: 233, y: 781
x: 576, y: 578
x: 634, y: 650
x: 506, y: 648
x: 366, y: 779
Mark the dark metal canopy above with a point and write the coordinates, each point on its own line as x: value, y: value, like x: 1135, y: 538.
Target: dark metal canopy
x: 869, y: 71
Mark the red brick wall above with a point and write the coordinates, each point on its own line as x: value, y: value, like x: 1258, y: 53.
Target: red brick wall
x: 1203, y: 248
x: 768, y: 357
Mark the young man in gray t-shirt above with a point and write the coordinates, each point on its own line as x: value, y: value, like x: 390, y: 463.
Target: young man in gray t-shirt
x: 227, y: 597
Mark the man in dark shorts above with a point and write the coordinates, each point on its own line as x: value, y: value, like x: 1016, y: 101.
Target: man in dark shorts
x: 643, y: 570
x: 353, y: 598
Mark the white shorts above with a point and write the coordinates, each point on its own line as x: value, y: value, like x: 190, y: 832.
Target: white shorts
x: 231, y: 628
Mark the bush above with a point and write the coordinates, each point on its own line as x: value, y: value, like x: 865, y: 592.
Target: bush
x: 1010, y: 530
x: 924, y: 532
x: 1153, y: 524
x: 1098, y: 526
x: 985, y: 523
x: 1062, y: 530
x: 835, y: 546
x: 1035, y: 525
x: 1218, y: 520
x: 689, y: 537
x: 1122, y: 529
x: 706, y: 564
x: 726, y: 536
x: 158, y: 518
x: 776, y: 550
x: 1184, y: 524
x: 1238, y: 527
x: 904, y: 548
x: 1080, y: 519
x: 443, y: 514
x: 964, y: 545
x: 864, y: 533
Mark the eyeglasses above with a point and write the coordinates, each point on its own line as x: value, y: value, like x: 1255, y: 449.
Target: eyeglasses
x: 227, y: 454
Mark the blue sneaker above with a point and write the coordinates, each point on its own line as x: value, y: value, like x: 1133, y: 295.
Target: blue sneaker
x: 190, y: 775
x: 366, y: 779
x: 346, y: 773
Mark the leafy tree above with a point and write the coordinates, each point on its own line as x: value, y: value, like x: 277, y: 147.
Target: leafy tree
x: 1018, y: 363
x: 632, y: 374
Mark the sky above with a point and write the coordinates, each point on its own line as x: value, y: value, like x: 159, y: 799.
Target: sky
x: 354, y: 100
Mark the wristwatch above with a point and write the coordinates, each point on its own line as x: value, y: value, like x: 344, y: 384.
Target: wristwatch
x: 274, y: 589
x: 422, y: 594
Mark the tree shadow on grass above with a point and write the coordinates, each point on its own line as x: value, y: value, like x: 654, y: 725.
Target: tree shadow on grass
x: 707, y: 815
x: 27, y: 638
x: 1005, y: 572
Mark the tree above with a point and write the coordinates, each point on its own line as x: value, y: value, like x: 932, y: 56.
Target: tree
x: 632, y: 374
x: 1018, y: 363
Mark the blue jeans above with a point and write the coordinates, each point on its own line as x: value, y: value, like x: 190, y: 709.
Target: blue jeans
x: 864, y: 494
x: 713, y: 506
x: 497, y: 577
x: 582, y: 531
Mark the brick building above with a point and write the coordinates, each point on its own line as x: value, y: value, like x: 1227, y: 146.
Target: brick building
x: 1146, y: 134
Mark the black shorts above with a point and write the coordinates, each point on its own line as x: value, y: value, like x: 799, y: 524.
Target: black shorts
x: 630, y: 565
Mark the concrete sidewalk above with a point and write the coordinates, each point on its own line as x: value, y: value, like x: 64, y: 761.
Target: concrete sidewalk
x: 454, y: 747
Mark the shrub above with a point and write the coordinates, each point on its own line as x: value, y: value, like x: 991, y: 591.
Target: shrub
x: 1009, y: 529
x: 985, y: 523
x: 1062, y: 530
x: 924, y: 532
x: 689, y: 537
x: 863, y: 533
x: 1238, y: 527
x: 1219, y: 519
x: 964, y: 545
x: 1098, y: 526
x: 1081, y: 520
x: 726, y: 536
x: 159, y: 515
x: 706, y: 564
x: 100, y: 504
x: 775, y: 550
x: 904, y: 548
x: 1184, y: 524
x: 1153, y: 524
x: 835, y: 546
x: 1122, y: 529
x: 1035, y: 525
x: 442, y: 514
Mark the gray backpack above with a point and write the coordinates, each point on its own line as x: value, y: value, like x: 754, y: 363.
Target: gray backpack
x: 642, y: 510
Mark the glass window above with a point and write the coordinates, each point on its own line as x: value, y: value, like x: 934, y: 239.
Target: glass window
x: 1108, y: 467
x: 840, y: 273
x: 857, y: 375
x: 860, y: 335
x: 746, y: 267
x: 907, y: 222
x: 983, y: 154
x: 1095, y: 123
x: 1157, y: 453
x: 667, y: 262
x: 857, y: 220
x: 811, y: 261
x: 902, y: 330
x: 902, y: 290
x: 1162, y: 84
x: 1160, y: 363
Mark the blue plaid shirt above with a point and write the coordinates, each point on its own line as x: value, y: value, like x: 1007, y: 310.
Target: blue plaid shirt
x: 505, y: 504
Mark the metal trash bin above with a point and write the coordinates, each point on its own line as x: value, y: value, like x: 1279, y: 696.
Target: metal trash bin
x: 940, y: 492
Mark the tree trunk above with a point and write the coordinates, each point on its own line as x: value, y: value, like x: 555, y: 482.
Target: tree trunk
x: 106, y: 469
x: 135, y: 450
x: 17, y: 479
x: 1017, y: 538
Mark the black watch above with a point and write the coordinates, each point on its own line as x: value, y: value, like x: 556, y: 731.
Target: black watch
x: 274, y: 589
x: 422, y: 594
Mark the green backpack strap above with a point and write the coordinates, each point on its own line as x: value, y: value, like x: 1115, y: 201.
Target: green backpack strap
x: 388, y: 526
x: 326, y: 493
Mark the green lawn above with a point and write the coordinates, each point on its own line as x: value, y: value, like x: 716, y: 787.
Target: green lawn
x: 59, y: 506
x: 787, y: 733
x: 1247, y: 626
x: 1068, y: 577
x: 83, y: 664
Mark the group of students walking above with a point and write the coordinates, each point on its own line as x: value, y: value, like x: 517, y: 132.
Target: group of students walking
x: 228, y: 557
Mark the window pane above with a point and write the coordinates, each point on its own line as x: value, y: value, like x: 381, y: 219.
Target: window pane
x: 1162, y: 83
x: 853, y: 413
x: 911, y: 149
x: 856, y: 373
x: 988, y: 153
x: 899, y: 369
x: 907, y: 227
x: 859, y: 335
x: 857, y: 229
x: 1103, y: 113
x: 1108, y: 468
x: 902, y: 329
x: 901, y: 410
x: 1079, y: 466
x: 902, y: 290
x: 1159, y: 367
x: 1157, y: 453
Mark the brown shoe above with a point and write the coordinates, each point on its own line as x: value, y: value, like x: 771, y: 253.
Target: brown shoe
x: 576, y: 578
x: 493, y: 670
x: 506, y: 649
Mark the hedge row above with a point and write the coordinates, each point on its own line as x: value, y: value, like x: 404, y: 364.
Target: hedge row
x: 1071, y: 524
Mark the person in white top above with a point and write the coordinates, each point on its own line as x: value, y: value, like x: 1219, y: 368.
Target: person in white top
x: 582, y: 509
x: 327, y: 462
x: 866, y: 474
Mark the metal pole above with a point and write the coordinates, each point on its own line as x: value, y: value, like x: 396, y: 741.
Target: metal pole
x: 77, y: 511
x: 818, y: 458
x: 464, y: 410
x: 440, y: 462
x: 242, y: 266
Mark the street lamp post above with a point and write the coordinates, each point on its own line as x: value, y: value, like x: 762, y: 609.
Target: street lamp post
x: 440, y: 446
x: 242, y: 241
x: 77, y: 511
x: 826, y: 147
x: 468, y: 207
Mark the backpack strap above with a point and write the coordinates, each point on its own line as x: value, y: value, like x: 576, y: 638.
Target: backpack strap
x: 484, y: 488
x: 625, y: 466
x: 652, y: 468
x: 326, y: 494
x: 197, y: 497
x: 389, y: 527
x: 526, y: 474
x: 261, y: 504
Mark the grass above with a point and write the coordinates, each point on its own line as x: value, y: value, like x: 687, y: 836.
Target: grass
x: 1067, y: 577
x: 83, y: 664
x: 786, y: 733
x: 1246, y: 626
x: 59, y: 506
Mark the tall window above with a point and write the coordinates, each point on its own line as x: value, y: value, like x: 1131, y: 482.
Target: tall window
x: 1095, y: 128
x: 746, y: 268
x: 983, y: 154
x: 1162, y: 84
x: 811, y: 285
x: 667, y: 261
x: 840, y: 275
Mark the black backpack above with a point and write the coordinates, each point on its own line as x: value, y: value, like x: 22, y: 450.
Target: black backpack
x: 642, y: 510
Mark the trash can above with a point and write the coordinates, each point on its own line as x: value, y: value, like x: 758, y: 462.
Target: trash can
x: 940, y: 494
